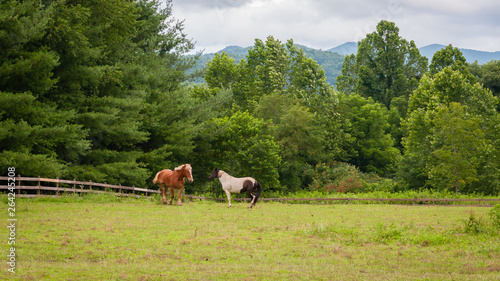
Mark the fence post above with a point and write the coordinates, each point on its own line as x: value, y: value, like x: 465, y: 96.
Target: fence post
x: 57, y: 186
x: 120, y: 188
x: 90, y: 185
x: 74, y: 186
x: 38, y: 192
x: 414, y: 198
x: 133, y: 189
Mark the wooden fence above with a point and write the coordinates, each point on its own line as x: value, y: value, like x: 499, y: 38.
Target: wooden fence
x: 58, y: 186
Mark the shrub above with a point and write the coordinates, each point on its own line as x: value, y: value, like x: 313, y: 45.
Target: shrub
x: 494, y: 214
x: 337, y: 177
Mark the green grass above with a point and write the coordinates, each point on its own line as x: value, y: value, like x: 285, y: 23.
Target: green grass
x: 107, y: 238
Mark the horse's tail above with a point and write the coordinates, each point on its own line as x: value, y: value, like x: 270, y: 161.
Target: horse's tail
x: 258, y: 191
x: 155, y: 180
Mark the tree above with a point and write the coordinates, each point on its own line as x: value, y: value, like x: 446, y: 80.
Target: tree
x: 104, y: 72
x: 298, y: 134
x: 35, y: 137
x: 277, y: 82
x: 450, y: 135
x: 387, y: 66
x: 27, y: 64
x: 448, y: 57
x: 30, y: 129
x: 457, y: 140
x: 243, y: 145
x: 370, y: 147
x: 221, y: 72
x: 488, y: 74
x: 346, y: 82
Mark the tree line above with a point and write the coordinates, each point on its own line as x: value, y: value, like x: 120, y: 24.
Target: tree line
x: 99, y: 90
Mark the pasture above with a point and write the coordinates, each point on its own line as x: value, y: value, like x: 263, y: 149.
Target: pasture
x: 105, y: 238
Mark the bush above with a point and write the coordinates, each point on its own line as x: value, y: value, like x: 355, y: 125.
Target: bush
x: 494, y: 214
x: 346, y: 178
x: 337, y: 177
x: 474, y: 225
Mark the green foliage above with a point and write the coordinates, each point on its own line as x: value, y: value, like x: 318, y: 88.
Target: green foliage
x: 277, y: 82
x: 371, y: 148
x: 488, y: 75
x: 221, y: 71
x: 386, y: 66
x: 243, y: 145
x: 85, y: 86
x: 298, y: 135
x: 450, y: 57
x: 478, y: 225
x: 494, y: 214
x: 95, y: 90
x: 457, y: 140
x: 330, y: 62
x: 337, y: 177
x: 346, y: 82
x: 449, y: 135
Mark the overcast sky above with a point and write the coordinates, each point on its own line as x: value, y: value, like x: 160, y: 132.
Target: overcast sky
x: 323, y: 24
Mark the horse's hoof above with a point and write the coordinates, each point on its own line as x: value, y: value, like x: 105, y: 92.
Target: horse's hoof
x: 179, y: 204
x: 164, y: 203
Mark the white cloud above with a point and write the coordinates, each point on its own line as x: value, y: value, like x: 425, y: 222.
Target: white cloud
x: 326, y: 24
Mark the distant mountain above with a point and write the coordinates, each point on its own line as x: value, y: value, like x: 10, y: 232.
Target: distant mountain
x: 331, y: 60
x: 470, y: 55
x: 427, y: 51
x: 347, y: 48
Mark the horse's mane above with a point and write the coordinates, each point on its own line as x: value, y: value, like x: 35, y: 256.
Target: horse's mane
x: 181, y: 166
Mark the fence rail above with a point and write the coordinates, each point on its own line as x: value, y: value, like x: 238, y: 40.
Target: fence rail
x: 121, y: 190
x: 92, y: 187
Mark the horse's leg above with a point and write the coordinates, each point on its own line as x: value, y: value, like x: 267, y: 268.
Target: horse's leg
x: 172, y: 194
x: 179, y: 202
x: 228, y: 194
x: 253, y: 200
x: 163, y: 197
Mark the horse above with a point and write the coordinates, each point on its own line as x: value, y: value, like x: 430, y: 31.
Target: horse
x: 231, y: 184
x: 175, y: 180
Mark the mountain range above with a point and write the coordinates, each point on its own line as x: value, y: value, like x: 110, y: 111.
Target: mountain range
x: 331, y: 59
x: 427, y: 51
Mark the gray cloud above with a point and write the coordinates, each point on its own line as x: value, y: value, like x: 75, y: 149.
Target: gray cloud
x: 325, y: 24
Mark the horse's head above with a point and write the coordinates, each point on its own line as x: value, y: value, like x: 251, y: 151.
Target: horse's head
x: 188, y: 172
x: 214, y: 174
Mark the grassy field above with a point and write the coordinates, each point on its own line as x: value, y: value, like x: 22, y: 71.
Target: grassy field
x: 103, y: 238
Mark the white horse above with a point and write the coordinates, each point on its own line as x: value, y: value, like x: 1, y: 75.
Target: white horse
x: 231, y: 184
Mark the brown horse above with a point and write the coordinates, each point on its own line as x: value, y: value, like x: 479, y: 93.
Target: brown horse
x: 175, y: 180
